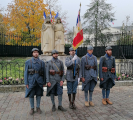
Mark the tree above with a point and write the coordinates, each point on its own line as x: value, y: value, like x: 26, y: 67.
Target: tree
x: 25, y: 17
x: 97, y: 18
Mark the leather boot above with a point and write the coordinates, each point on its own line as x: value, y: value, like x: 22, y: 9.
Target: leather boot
x: 53, y: 108
x: 61, y: 108
x: 70, y: 103
x: 104, y: 101
x: 38, y: 110
x: 73, y: 104
x: 91, y: 103
x: 86, y: 103
x: 32, y: 111
x: 108, y: 101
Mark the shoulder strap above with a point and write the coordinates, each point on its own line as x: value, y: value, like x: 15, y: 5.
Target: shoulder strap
x: 113, y: 63
x: 104, y: 59
x: 86, y: 59
x: 94, y: 60
x: 31, y: 63
x: 56, y: 66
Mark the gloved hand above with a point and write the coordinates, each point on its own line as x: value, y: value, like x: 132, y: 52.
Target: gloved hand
x: 75, y: 57
x: 78, y: 80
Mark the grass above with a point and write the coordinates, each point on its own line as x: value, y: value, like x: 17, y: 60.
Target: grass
x: 14, y: 68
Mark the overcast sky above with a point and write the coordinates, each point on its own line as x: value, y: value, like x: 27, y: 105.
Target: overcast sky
x: 122, y: 8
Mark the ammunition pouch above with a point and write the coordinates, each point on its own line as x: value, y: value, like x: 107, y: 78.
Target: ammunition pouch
x: 104, y: 69
x: 31, y: 71
x: 53, y: 72
x: 113, y: 70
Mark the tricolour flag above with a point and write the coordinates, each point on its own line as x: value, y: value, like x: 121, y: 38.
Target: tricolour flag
x: 50, y: 16
x: 78, y: 38
x: 112, y: 21
x: 44, y: 15
x: 56, y: 15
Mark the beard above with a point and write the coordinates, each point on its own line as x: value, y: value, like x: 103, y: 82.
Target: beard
x: 109, y: 54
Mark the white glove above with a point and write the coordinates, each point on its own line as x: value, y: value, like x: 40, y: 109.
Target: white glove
x: 78, y: 80
x: 75, y: 57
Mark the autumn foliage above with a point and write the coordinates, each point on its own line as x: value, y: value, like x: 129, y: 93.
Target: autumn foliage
x: 24, y: 21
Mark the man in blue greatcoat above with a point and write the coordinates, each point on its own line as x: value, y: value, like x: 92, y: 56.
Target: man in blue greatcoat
x: 72, y: 81
x: 55, y: 79
x: 89, y: 73
x: 35, y: 80
x: 107, y: 74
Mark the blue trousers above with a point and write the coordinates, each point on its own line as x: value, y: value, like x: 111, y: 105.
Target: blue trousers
x: 107, y: 91
x: 89, y: 87
x: 38, y: 100
x: 72, y: 87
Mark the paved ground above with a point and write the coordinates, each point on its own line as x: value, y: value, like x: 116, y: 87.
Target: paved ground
x: 13, y: 106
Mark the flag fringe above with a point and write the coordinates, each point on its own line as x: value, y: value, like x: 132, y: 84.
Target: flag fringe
x: 77, y: 45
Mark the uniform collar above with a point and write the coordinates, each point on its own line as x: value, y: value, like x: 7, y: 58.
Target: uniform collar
x: 55, y: 60
x: 89, y: 56
x: 107, y: 57
x: 35, y: 60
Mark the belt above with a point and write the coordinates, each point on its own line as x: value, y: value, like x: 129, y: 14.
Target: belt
x: 36, y: 71
x: 57, y: 72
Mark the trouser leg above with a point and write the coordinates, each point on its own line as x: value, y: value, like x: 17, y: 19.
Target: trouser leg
x: 31, y: 99
x: 38, y: 100
x: 52, y: 99
x: 86, y: 95
x: 103, y: 93
x: 107, y: 93
x: 60, y: 100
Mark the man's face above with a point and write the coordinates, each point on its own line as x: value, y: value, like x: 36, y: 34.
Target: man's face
x: 72, y: 53
x: 109, y: 52
x: 55, y: 55
x: 90, y: 51
x: 35, y: 54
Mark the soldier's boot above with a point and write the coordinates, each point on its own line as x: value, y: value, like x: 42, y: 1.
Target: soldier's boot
x: 86, y: 103
x: 104, y: 101
x: 61, y: 108
x: 73, y: 103
x: 32, y: 111
x: 108, y: 101
x: 53, y: 108
x: 91, y: 103
x: 70, y: 103
x: 38, y: 110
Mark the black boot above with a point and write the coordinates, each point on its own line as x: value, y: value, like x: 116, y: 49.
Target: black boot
x: 70, y: 103
x: 61, y: 108
x: 73, y: 104
x: 53, y: 108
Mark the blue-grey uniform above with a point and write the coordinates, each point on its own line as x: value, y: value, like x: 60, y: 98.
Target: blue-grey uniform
x: 89, y: 71
x: 108, y: 77
x: 34, y: 77
x: 54, y: 75
x: 72, y: 81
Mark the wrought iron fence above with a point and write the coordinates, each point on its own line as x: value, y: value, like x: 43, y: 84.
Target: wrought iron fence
x: 13, y: 72
x: 19, y: 48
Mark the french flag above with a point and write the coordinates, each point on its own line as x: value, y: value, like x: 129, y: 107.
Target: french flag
x: 50, y: 16
x: 44, y: 15
x: 112, y: 21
